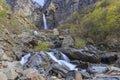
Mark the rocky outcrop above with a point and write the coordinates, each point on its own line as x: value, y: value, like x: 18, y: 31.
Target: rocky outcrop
x: 27, y: 9
x: 82, y: 54
x: 57, y: 11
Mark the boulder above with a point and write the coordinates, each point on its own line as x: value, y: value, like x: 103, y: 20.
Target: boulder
x: 109, y: 57
x: 81, y: 54
x: 73, y: 75
x: 32, y: 74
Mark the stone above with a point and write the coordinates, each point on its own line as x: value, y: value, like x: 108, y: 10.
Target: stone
x: 55, y: 32
x: 67, y: 42
x: 112, y: 74
x: 73, y: 75
x: 109, y: 57
x: 1, y: 51
x: 81, y: 54
x: 32, y: 74
x: 55, y: 78
x: 78, y: 76
x: 11, y: 69
x: 81, y: 64
x: 3, y: 76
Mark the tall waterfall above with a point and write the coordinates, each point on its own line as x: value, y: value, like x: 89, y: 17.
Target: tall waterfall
x: 45, y: 22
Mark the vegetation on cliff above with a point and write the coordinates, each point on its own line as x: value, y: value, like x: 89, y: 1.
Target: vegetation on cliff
x: 98, y: 23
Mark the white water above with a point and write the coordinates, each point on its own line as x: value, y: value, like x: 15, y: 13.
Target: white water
x: 45, y: 22
x: 63, y: 63
x: 65, y: 57
x: 24, y: 59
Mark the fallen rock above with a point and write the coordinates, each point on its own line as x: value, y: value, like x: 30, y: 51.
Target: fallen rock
x: 3, y: 76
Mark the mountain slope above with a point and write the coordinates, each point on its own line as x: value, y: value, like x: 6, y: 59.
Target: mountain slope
x: 98, y: 23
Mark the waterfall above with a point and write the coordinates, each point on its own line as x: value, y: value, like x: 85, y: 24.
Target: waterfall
x: 45, y: 22
x: 65, y: 63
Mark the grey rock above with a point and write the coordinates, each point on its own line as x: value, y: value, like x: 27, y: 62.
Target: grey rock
x: 81, y: 54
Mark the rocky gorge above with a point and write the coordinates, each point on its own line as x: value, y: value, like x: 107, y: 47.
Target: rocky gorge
x: 61, y: 52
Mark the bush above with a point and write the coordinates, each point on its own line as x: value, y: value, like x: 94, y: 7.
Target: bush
x: 79, y: 43
x: 3, y: 13
x: 42, y: 46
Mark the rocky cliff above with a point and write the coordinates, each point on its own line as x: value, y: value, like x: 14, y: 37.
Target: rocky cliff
x: 28, y: 9
x: 59, y: 10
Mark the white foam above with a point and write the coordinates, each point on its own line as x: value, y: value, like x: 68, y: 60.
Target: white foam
x: 25, y: 59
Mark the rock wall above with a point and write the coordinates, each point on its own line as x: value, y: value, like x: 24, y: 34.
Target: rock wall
x: 59, y: 10
x: 28, y: 9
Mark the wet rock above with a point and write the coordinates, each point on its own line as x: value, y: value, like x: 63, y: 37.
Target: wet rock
x: 108, y: 78
x: 85, y: 74
x: 81, y: 54
x: 73, y: 75
x: 112, y: 74
x: 109, y: 57
x: 97, y: 69
x: 117, y: 63
x: 3, y: 76
x: 81, y: 64
x: 60, y: 73
x: 39, y: 61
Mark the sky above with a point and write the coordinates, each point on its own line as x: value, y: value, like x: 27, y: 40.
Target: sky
x: 41, y: 2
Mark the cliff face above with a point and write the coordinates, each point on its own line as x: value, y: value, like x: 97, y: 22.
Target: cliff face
x: 59, y: 10
x: 27, y: 9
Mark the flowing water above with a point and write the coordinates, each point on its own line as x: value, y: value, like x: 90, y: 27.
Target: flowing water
x: 45, y: 22
x: 25, y: 59
x: 65, y: 63
x: 58, y: 57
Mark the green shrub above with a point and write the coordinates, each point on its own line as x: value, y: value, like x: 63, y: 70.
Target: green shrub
x: 3, y: 13
x: 42, y: 46
x: 79, y: 43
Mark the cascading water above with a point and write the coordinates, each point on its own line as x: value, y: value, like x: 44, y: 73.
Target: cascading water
x: 65, y: 63
x: 25, y: 59
x: 45, y: 22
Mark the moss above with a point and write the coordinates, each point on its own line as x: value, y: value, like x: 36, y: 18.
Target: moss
x: 79, y: 43
x: 42, y: 46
